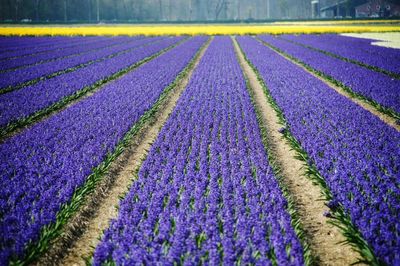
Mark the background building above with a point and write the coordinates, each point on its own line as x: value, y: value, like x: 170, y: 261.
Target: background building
x: 378, y: 8
x: 359, y: 8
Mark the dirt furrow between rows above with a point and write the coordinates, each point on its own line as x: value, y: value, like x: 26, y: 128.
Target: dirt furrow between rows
x: 384, y: 117
x: 324, y: 239
x: 83, y: 232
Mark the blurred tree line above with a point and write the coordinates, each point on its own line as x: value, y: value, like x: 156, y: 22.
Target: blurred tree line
x: 154, y: 10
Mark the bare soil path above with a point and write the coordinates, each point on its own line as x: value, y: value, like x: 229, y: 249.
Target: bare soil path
x: 84, y: 230
x: 322, y: 237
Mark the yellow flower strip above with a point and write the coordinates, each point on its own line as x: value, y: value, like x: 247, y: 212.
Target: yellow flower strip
x: 189, y: 29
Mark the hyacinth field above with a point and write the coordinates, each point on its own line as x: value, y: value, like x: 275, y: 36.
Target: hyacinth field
x: 209, y: 190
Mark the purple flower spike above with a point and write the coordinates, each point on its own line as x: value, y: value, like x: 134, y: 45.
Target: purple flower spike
x: 282, y: 130
x: 333, y: 204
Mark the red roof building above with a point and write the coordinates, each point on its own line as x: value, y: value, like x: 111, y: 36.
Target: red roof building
x: 378, y: 9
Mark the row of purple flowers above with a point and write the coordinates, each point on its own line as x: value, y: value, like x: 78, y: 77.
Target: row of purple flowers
x: 205, y: 193
x: 356, y: 152
x: 33, y: 46
x: 373, y: 85
x: 52, y: 159
x: 357, y: 49
x: 28, y: 100
x: 85, y: 46
x: 21, y: 76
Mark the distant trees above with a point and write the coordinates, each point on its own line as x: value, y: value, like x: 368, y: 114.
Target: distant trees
x: 65, y: 11
x: 151, y: 10
x: 284, y: 8
x: 16, y: 6
x: 221, y: 4
x: 37, y: 3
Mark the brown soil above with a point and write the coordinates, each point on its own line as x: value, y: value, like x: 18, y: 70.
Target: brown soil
x: 324, y: 239
x: 385, y: 118
x: 83, y: 232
